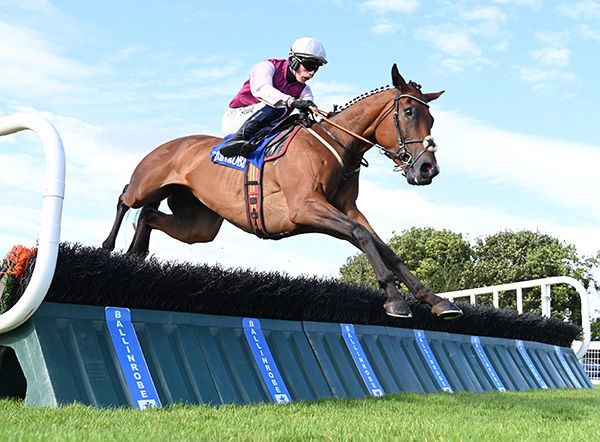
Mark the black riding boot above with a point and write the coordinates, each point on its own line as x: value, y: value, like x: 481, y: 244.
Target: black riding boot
x: 241, y: 142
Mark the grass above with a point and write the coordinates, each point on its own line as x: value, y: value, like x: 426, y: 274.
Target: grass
x: 532, y: 416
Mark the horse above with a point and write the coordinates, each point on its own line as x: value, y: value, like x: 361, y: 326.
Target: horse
x: 311, y: 189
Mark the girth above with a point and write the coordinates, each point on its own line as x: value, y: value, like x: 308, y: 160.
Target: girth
x: 253, y: 192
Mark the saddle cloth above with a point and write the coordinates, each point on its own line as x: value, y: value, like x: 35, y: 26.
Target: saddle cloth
x: 272, y: 146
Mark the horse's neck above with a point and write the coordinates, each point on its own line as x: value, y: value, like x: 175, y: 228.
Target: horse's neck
x: 361, y: 118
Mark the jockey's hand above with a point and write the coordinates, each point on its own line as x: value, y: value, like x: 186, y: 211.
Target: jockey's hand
x: 303, y: 105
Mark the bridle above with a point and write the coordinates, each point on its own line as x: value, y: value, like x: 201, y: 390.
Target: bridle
x: 401, y: 154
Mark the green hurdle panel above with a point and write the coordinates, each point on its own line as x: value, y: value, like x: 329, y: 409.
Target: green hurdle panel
x: 64, y: 354
x: 73, y: 353
x: 336, y: 361
x: 450, y: 353
x: 235, y: 372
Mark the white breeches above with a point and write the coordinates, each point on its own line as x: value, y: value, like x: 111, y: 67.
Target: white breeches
x: 233, y: 118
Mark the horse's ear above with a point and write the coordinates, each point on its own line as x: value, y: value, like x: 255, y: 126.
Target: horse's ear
x: 397, y: 80
x: 432, y: 96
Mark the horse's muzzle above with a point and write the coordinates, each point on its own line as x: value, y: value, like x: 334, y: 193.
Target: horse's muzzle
x: 423, y: 174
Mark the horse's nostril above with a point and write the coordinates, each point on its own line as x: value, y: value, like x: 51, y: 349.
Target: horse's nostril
x: 428, y: 170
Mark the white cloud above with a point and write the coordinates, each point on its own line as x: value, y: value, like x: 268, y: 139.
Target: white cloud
x: 33, y: 67
x: 549, y: 62
x: 459, y: 51
x: 501, y: 46
x: 558, y: 57
x: 588, y: 33
x: 328, y: 94
x: 383, y: 6
x: 472, y: 221
x: 578, y: 10
x: 544, y: 80
x: 528, y: 164
x: 488, y: 14
x: 450, y: 41
x: 204, y: 73
x: 126, y: 53
x: 553, y: 39
x: 529, y: 3
x: 384, y: 27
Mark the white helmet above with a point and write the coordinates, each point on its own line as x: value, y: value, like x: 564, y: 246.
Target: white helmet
x: 307, y: 48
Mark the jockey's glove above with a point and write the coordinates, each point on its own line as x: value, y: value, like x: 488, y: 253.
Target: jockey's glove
x: 303, y: 105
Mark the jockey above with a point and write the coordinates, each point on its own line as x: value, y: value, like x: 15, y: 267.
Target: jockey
x: 275, y: 88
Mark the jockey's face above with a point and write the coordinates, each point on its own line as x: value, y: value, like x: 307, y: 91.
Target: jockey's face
x: 303, y: 74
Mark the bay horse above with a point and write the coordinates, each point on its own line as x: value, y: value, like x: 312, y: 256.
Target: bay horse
x: 311, y: 189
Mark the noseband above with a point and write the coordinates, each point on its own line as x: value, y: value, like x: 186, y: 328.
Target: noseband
x: 402, y: 154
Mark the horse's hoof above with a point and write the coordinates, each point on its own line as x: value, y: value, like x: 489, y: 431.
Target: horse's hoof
x: 397, y: 308
x: 446, y: 310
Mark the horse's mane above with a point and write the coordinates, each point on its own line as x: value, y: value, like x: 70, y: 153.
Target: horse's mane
x: 337, y: 109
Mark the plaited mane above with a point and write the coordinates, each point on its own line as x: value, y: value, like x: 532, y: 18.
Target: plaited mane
x: 355, y: 100
x: 337, y: 109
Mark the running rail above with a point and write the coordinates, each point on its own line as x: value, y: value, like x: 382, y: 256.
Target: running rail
x: 54, y: 191
x: 544, y: 284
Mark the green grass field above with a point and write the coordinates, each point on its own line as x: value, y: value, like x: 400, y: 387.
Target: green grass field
x: 554, y: 415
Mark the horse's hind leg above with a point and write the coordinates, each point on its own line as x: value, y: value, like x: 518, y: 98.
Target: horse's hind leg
x: 109, y: 242
x: 191, y: 221
x: 140, y: 243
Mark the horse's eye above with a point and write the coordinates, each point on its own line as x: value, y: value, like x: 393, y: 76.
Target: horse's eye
x: 409, y: 112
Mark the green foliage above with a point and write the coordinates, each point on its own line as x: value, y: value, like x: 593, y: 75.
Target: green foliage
x: 357, y: 270
x: 438, y: 257
x: 520, y: 256
x: 516, y: 256
x: 7, y: 288
x: 445, y: 261
x: 595, y: 326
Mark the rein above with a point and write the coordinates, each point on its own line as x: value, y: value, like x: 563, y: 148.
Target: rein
x: 402, y: 153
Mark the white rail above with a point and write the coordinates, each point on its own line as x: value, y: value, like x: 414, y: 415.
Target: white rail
x: 544, y: 284
x: 49, y: 237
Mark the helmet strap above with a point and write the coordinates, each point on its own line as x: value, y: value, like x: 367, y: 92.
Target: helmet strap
x: 293, y: 65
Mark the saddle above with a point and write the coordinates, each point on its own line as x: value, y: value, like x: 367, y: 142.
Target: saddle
x: 272, y: 143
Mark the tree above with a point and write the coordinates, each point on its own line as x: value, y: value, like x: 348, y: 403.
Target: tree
x: 445, y: 261
x: 440, y: 258
x: 519, y: 256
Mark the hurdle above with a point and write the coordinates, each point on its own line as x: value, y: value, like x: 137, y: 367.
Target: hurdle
x: 54, y: 191
x: 176, y: 333
x: 72, y: 353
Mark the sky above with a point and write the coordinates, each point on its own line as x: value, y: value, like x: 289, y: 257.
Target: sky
x: 516, y: 128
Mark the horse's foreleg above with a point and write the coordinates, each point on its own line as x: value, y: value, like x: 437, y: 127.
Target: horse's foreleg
x: 325, y: 218
x: 396, y: 304
x: 109, y: 242
x: 439, y: 306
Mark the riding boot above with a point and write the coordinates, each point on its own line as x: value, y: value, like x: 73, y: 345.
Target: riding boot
x: 241, y: 142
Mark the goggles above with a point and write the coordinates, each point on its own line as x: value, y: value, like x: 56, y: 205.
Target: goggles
x: 310, y: 65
